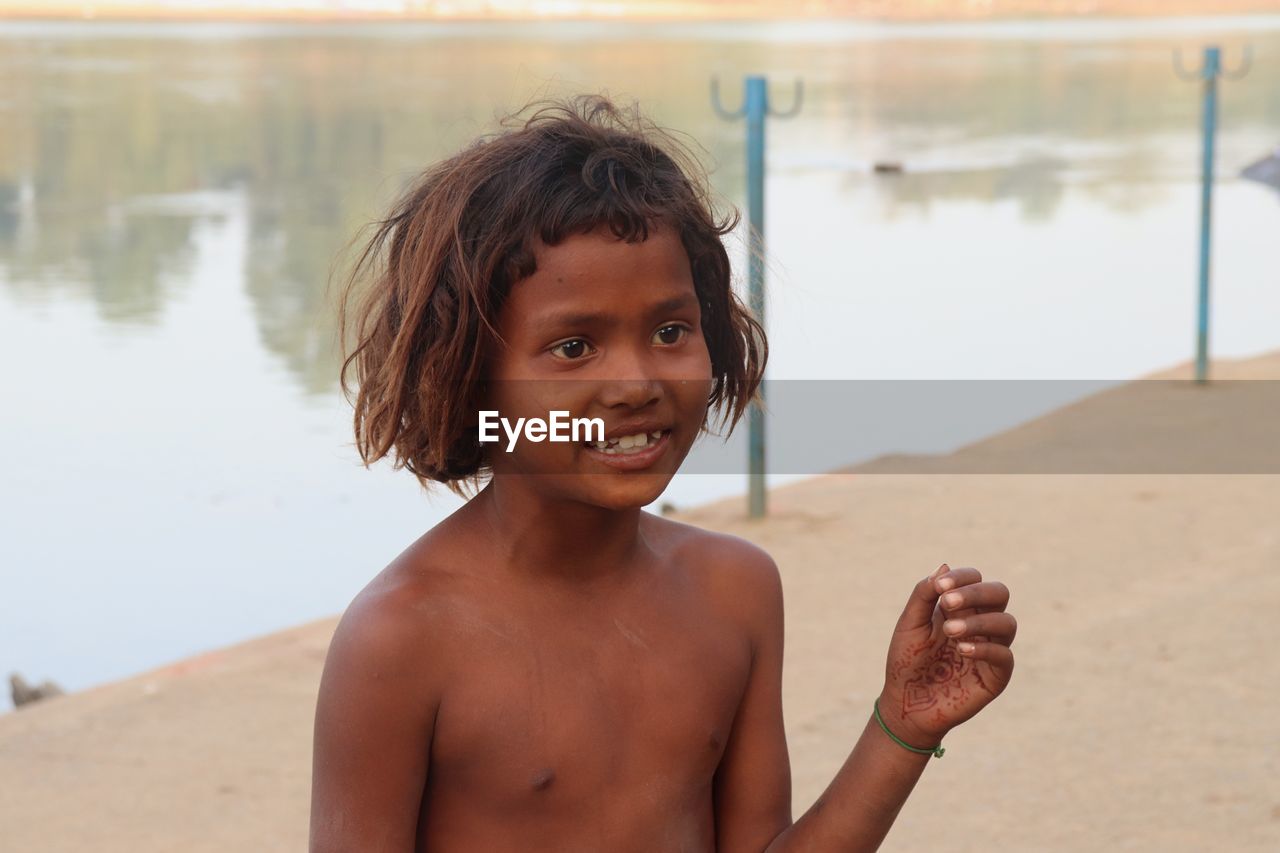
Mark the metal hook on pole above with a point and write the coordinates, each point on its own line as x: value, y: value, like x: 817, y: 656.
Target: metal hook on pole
x: 1246, y: 62
x: 716, y: 105
x: 1212, y: 66
x: 1181, y: 70
x: 755, y: 108
x: 795, y: 103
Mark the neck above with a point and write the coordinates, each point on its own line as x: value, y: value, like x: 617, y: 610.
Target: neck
x: 540, y: 536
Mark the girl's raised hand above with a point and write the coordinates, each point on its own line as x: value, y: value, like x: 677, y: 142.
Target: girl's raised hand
x: 947, y: 658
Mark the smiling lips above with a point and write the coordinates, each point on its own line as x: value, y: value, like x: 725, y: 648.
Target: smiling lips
x: 631, y: 452
x: 626, y: 444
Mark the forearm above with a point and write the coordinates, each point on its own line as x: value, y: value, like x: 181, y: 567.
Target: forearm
x: 862, y: 802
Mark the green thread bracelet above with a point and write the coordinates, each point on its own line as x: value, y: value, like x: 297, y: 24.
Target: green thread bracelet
x: 936, y: 751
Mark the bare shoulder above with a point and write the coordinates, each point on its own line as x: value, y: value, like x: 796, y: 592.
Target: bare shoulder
x: 739, y: 574
x: 397, y: 627
x: 739, y: 559
x: 379, y: 641
x: 380, y: 691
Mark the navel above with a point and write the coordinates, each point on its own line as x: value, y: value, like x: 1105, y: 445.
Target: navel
x: 543, y: 778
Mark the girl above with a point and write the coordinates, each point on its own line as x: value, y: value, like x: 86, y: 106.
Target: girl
x: 551, y: 668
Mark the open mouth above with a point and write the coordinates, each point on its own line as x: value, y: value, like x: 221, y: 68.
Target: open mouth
x: 627, y: 445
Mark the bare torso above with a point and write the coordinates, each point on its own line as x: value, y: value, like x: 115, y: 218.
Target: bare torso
x: 573, y: 719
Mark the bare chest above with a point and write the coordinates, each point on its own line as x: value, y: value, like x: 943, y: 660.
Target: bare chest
x: 637, y: 705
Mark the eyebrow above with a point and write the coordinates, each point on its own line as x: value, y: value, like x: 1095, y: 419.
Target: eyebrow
x: 583, y: 318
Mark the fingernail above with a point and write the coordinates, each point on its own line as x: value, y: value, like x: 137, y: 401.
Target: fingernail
x: 953, y: 626
x: 952, y: 599
x: 965, y: 647
x: 946, y: 584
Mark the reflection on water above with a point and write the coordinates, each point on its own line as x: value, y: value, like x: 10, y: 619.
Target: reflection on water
x: 174, y: 198
x: 319, y: 129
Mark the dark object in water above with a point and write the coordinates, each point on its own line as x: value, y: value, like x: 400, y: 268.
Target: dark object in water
x: 888, y: 167
x: 24, y: 693
x: 1265, y: 171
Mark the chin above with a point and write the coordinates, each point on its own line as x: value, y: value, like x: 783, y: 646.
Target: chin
x: 625, y: 491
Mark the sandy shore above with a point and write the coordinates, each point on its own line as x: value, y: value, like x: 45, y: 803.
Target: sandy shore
x: 1143, y: 713
x: 625, y: 10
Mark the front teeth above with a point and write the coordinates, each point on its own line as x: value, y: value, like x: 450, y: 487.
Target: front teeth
x: 628, y: 443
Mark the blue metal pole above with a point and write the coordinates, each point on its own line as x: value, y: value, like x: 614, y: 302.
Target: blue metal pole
x: 1212, y: 65
x: 756, y: 107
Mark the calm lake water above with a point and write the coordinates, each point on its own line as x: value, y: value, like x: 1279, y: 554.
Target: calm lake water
x: 178, y: 473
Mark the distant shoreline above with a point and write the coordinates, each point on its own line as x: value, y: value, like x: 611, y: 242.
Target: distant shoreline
x: 674, y: 11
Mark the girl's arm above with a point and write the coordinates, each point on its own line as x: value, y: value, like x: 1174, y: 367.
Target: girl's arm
x: 753, y: 782
x: 951, y: 660
x: 860, y: 805
x: 374, y: 721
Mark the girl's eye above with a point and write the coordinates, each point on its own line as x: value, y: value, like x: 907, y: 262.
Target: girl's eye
x: 677, y: 330
x: 572, y: 350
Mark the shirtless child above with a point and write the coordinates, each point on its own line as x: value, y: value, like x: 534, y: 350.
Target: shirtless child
x: 551, y: 668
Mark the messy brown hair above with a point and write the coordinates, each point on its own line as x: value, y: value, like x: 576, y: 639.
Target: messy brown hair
x: 441, y: 265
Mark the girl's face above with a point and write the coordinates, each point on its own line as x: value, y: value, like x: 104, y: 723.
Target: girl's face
x: 611, y: 330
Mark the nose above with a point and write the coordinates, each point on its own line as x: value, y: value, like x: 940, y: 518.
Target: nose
x: 630, y: 381
x: 632, y: 393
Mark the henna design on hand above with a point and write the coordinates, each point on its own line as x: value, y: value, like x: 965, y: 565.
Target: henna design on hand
x: 943, y: 678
